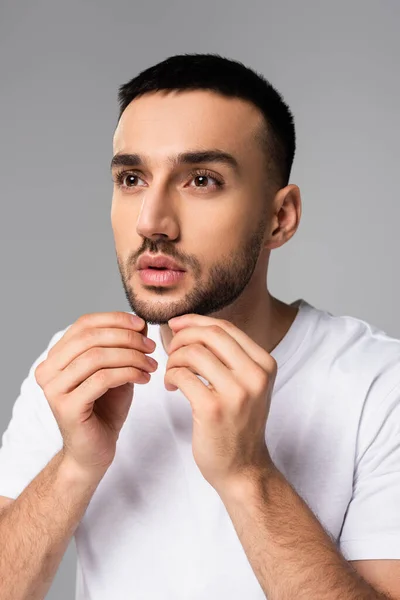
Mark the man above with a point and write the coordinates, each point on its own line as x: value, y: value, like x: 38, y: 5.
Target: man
x: 260, y: 459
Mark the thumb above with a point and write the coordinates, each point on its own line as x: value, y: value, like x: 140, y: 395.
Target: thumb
x: 145, y: 329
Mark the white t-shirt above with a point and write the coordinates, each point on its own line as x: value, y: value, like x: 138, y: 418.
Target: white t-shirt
x: 155, y: 529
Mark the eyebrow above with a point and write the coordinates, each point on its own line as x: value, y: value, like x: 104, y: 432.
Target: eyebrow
x: 184, y: 158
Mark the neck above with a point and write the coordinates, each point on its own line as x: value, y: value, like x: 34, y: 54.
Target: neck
x: 265, y: 321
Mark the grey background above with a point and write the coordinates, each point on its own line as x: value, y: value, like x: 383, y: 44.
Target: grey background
x: 337, y: 66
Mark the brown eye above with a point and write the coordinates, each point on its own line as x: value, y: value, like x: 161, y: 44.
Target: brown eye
x: 202, y: 180
x: 206, y: 181
x: 126, y: 180
x: 130, y: 179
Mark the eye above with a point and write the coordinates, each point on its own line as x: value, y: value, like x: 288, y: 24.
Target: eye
x: 129, y: 176
x: 129, y: 179
x: 202, y: 177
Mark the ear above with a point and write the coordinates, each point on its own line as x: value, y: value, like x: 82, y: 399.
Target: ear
x: 285, y: 216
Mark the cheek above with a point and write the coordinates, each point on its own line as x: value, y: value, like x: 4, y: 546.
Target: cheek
x: 123, y: 218
x: 214, y: 217
x: 216, y: 232
x: 115, y: 213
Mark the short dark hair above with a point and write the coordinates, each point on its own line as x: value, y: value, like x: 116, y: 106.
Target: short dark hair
x: 229, y: 78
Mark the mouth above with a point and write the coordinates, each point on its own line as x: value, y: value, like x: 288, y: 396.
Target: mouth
x: 150, y: 268
x: 158, y: 263
x: 160, y: 276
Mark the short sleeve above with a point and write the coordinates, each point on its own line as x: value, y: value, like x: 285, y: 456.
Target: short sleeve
x: 371, y: 528
x: 32, y: 437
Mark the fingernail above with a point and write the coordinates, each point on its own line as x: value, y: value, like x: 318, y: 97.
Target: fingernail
x: 137, y: 320
x: 153, y: 362
x: 175, y: 319
x: 149, y: 343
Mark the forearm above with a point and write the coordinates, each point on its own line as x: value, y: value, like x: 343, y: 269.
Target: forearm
x: 291, y: 554
x: 36, y: 528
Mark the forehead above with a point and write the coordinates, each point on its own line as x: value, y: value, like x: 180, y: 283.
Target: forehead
x: 170, y: 121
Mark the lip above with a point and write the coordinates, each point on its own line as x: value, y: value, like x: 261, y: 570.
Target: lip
x: 160, y: 278
x: 158, y: 260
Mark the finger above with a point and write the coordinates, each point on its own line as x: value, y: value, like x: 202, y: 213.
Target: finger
x: 117, y: 319
x: 94, y: 360
x: 251, y: 349
x: 190, y: 386
x: 93, y: 388
x: 201, y: 361
x: 222, y: 345
x: 83, y: 341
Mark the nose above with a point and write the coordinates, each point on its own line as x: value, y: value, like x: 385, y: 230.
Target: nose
x: 157, y: 215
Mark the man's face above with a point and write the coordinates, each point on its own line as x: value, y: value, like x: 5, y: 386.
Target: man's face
x: 215, y: 233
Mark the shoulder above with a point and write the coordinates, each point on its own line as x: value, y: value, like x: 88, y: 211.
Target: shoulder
x: 357, y: 342
x: 361, y: 358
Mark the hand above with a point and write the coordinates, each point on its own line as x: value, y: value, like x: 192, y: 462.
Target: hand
x: 230, y: 414
x: 88, y: 379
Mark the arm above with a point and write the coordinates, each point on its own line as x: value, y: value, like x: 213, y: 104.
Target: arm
x: 291, y: 554
x: 36, y: 528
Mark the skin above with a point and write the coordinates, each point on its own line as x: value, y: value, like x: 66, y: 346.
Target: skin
x: 222, y: 237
